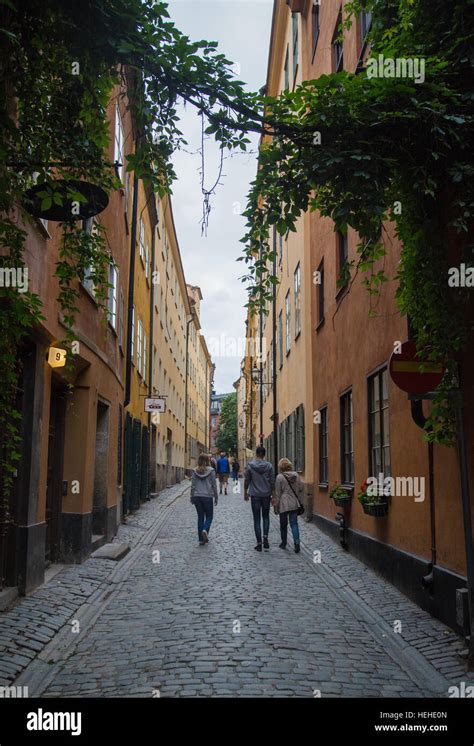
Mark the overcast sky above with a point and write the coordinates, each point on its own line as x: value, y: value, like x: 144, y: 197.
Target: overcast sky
x: 242, y: 28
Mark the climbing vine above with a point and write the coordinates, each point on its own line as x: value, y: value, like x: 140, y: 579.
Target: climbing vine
x: 367, y: 150
x: 59, y: 63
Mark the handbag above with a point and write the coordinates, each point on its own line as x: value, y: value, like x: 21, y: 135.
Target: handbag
x: 300, y: 510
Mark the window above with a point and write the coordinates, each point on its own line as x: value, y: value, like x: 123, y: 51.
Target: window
x: 320, y: 293
x: 142, y: 240
x: 133, y: 336
x: 347, y: 447
x: 119, y: 144
x: 297, y: 301
x: 323, y: 446
x: 365, y: 24
x: 280, y: 338
x: 145, y: 356
x: 337, y: 47
x: 288, y: 321
x: 315, y: 21
x: 121, y: 320
x: 287, y: 69
x: 294, y: 26
x: 342, y: 258
x: 379, y: 439
x: 147, y: 263
x: 298, y: 415
x: 89, y: 226
x: 112, y: 302
x: 140, y: 347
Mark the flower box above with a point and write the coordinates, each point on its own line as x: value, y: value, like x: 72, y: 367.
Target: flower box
x: 342, y: 501
x: 378, y: 510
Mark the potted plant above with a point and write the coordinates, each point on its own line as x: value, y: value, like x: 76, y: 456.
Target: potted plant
x: 340, y: 495
x: 372, y: 503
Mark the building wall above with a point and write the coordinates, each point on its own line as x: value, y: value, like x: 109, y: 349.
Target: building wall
x: 171, y: 309
x: 341, y: 351
x: 293, y: 269
x: 70, y: 489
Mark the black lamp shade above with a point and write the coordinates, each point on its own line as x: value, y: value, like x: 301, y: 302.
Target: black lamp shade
x: 96, y: 200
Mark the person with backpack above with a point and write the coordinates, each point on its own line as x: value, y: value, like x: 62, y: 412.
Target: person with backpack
x: 288, y: 501
x: 223, y: 471
x: 235, y: 470
x: 204, y: 496
x: 259, y: 484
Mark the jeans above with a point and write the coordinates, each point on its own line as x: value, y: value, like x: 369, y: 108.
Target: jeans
x: 261, y: 508
x: 293, y: 516
x: 205, y: 511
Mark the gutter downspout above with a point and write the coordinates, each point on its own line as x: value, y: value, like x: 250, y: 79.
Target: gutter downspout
x: 274, y: 361
x: 188, y: 322
x: 131, y: 288
x: 151, y: 344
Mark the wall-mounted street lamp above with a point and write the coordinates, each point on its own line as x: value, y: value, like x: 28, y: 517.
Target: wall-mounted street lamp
x: 257, y: 372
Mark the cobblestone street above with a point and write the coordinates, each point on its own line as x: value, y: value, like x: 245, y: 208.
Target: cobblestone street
x: 223, y: 620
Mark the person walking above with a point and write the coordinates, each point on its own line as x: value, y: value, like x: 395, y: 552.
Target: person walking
x: 223, y: 471
x: 235, y: 470
x: 259, y: 483
x: 288, y: 500
x: 204, y: 495
x: 212, y: 462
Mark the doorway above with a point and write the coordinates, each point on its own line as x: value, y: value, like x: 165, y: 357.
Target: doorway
x: 57, y: 413
x: 99, y: 504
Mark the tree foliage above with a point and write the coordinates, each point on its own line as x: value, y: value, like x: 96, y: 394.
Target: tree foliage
x: 227, y: 435
x: 384, y: 142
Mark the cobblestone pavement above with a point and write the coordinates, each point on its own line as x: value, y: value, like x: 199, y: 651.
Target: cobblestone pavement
x: 177, y: 619
x: 33, y: 623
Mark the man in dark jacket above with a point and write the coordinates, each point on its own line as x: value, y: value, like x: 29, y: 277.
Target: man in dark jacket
x: 223, y: 471
x: 259, y: 484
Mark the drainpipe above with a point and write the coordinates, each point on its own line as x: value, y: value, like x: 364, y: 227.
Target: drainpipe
x: 131, y: 288
x: 188, y: 322
x: 151, y: 345
x: 274, y: 361
x: 420, y: 419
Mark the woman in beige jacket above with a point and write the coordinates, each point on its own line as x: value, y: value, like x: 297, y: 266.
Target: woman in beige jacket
x: 288, y: 497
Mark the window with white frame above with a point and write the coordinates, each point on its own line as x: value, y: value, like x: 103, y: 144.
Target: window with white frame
x: 294, y: 24
x: 119, y: 144
x: 142, y: 240
x: 288, y: 321
x: 112, y: 302
x: 297, y: 279
x: 287, y: 69
x: 121, y: 319
x: 145, y: 356
x: 338, y: 47
x: 132, y: 337
x: 140, y: 347
x: 365, y: 24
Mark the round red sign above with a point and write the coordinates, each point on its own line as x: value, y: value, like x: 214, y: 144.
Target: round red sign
x: 413, y: 375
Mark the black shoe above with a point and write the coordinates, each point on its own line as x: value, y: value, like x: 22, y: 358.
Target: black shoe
x: 266, y: 545
x: 258, y: 547
x: 297, y: 548
x: 282, y: 546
